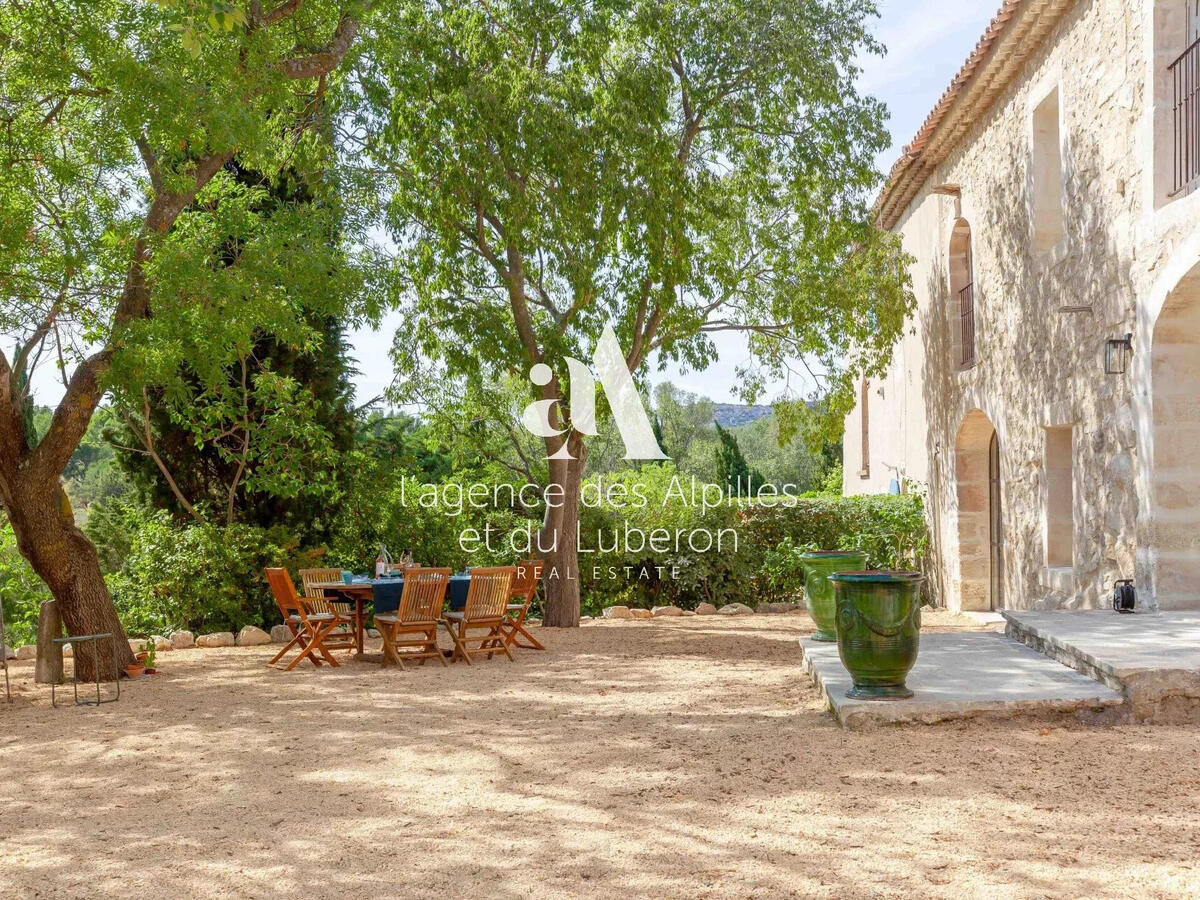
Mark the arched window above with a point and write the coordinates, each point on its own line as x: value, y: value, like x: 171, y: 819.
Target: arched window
x: 962, y: 296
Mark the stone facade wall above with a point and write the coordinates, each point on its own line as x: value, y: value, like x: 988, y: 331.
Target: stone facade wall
x: 1042, y: 320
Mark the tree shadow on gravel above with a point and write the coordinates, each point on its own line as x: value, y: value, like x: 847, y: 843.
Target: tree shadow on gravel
x: 690, y: 760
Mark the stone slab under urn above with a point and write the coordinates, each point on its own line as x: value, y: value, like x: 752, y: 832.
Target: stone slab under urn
x: 967, y: 675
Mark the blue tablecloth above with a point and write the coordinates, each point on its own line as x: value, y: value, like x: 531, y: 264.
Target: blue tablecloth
x: 385, y: 592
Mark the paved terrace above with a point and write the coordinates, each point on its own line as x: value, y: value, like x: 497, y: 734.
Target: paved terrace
x: 966, y: 676
x: 1152, y: 658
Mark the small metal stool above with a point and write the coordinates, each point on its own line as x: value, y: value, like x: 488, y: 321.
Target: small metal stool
x: 75, y: 642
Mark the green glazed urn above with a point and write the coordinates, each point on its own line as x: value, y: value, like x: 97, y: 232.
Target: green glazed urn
x: 818, y: 592
x: 878, y: 630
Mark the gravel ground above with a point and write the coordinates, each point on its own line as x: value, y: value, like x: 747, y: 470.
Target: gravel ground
x: 682, y: 758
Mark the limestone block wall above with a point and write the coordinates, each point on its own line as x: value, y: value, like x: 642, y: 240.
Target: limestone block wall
x: 1042, y: 317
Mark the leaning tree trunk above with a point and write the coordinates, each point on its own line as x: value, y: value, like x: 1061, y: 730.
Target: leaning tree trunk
x: 560, y: 535
x: 65, y: 559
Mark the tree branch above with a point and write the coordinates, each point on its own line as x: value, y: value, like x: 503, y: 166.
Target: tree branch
x: 150, y: 160
x: 520, y: 306
x: 327, y: 58
x: 146, y: 435
x: 74, y: 411
x: 278, y: 14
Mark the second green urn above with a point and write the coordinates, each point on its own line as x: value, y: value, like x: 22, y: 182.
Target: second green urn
x: 818, y: 591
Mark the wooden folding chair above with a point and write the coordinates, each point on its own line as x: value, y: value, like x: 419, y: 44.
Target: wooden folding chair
x: 524, y: 589
x: 487, y: 601
x: 416, y: 619
x: 310, y: 578
x: 290, y: 610
x: 312, y: 623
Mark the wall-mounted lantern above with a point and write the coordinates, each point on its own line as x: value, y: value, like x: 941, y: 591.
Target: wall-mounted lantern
x: 1117, y: 352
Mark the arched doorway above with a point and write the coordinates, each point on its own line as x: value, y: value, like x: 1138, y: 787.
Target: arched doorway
x: 1175, y: 404
x: 980, y: 525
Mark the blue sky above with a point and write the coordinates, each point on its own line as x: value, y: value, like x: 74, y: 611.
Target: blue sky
x: 927, y: 42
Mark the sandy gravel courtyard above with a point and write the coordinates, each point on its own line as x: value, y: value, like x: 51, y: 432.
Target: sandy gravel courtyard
x: 682, y: 758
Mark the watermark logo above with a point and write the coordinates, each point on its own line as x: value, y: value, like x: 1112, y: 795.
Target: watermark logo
x: 629, y: 412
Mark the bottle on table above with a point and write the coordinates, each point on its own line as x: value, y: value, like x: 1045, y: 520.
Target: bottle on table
x: 382, y: 562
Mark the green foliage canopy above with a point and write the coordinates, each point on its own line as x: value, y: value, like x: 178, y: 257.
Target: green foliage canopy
x: 673, y: 168
x: 115, y: 199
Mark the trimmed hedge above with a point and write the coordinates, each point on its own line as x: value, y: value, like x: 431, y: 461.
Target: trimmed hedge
x: 765, y: 566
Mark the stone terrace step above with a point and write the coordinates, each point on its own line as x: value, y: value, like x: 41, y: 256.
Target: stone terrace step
x: 1153, y: 659
x: 965, y: 675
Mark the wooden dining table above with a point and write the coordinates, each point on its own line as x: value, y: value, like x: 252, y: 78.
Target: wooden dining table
x: 361, y: 591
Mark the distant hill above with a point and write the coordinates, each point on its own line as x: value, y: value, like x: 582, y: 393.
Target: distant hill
x: 731, y: 415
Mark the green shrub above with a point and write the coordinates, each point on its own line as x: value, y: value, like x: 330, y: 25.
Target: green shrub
x: 781, y: 574
x: 165, y: 575
x: 765, y: 565
x: 111, y: 525
x: 891, y: 530
x: 200, y: 577
x: 23, y: 591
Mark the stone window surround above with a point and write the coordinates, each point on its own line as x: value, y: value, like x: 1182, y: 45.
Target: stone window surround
x: 1060, y: 416
x: 1050, y: 83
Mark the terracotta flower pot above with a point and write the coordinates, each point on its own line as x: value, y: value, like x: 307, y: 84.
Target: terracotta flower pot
x: 135, y: 671
x: 818, y: 592
x: 878, y: 630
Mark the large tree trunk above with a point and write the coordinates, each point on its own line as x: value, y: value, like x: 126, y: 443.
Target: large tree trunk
x: 559, y: 536
x: 65, y: 559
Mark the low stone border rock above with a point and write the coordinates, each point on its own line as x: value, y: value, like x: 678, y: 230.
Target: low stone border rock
x: 183, y: 640
x: 217, y: 639
x: 775, y: 608
x: 252, y: 636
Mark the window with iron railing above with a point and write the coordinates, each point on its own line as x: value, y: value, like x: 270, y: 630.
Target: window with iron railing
x: 1185, y: 107
x: 960, y: 306
x: 864, y: 403
x: 1185, y: 112
x: 966, y: 325
x: 1175, y: 101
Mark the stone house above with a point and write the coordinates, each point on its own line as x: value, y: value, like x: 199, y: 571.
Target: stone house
x: 1050, y: 205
